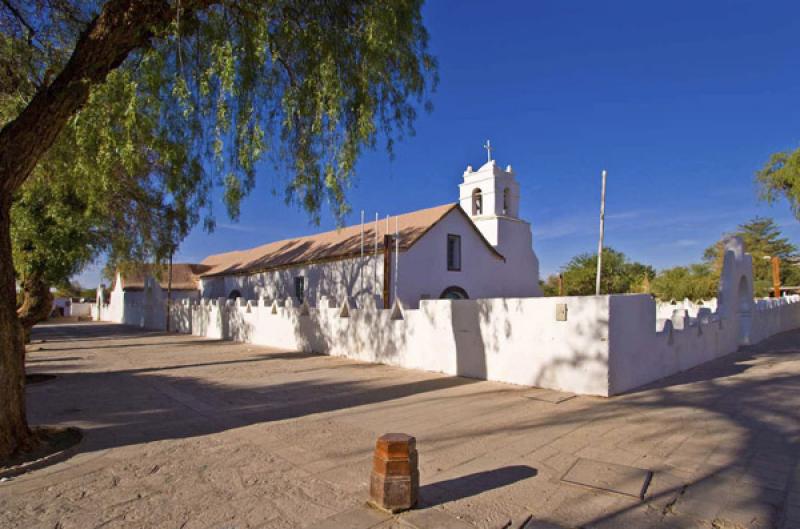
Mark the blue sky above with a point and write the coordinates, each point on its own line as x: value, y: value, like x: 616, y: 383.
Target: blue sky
x: 680, y: 101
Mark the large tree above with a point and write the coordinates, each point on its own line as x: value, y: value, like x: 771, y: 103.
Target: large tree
x: 762, y: 239
x: 307, y: 83
x: 619, y: 275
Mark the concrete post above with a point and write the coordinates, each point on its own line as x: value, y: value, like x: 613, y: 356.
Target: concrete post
x: 394, y: 482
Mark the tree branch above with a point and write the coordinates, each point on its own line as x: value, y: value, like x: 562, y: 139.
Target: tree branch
x: 16, y: 14
x: 121, y: 27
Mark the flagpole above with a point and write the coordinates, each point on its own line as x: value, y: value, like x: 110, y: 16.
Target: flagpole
x: 602, y: 228
x: 361, y: 262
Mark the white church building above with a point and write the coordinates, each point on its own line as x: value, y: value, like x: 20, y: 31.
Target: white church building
x: 475, y: 248
x: 451, y: 289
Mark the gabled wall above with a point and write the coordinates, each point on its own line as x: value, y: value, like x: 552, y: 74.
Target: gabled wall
x: 483, y: 274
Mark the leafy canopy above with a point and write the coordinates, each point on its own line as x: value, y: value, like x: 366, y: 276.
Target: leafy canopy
x: 619, y: 275
x: 780, y: 178
x: 695, y: 282
x: 303, y: 86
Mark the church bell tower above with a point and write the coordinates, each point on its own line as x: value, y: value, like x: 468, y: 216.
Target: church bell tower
x: 490, y: 196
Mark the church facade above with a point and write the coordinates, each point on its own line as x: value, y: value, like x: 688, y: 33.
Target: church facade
x: 475, y: 248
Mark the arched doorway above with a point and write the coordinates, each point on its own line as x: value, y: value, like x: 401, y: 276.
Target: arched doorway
x: 744, y: 308
x: 454, y: 292
x: 235, y: 294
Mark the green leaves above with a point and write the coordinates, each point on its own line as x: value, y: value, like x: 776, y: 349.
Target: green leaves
x: 619, y: 275
x: 296, y: 88
x: 780, y: 178
x: 695, y: 282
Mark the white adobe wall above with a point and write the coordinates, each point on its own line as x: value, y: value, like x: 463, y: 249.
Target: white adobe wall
x: 642, y: 351
x: 664, y: 310
x: 79, y: 309
x: 141, y: 308
x: 336, y: 279
x: 489, y: 339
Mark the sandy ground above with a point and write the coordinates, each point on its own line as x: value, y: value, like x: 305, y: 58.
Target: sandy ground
x: 184, y: 432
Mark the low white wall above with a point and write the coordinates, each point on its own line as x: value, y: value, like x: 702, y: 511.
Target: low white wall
x: 642, y: 351
x: 79, y: 308
x: 509, y: 340
x: 606, y: 345
x: 99, y: 312
x: 664, y: 310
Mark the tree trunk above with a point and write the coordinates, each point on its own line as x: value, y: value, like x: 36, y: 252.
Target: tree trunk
x: 121, y: 27
x: 36, y: 304
x: 14, y: 432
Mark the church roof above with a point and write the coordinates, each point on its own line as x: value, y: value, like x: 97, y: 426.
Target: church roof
x: 185, y: 276
x: 331, y: 245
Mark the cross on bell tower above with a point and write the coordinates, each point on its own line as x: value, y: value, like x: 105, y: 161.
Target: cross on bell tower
x: 488, y: 147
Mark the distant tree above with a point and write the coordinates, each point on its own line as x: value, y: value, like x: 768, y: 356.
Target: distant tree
x: 696, y: 281
x: 619, y: 275
x: 762, y: 238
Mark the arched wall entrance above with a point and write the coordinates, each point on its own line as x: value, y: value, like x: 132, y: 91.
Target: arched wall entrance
x: 744, y: 310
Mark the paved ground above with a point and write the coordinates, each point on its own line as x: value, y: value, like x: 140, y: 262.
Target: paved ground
x: 185, y: 432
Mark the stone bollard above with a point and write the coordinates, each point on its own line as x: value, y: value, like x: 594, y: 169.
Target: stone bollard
x: 394, y: 481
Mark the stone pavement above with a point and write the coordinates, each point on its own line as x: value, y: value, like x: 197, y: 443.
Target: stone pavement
x: 184, y: 432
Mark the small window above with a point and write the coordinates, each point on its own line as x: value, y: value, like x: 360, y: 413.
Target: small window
x: 477, y: 202
x: 506, y: 201
x: 454, y: 252
x: 299, y: 287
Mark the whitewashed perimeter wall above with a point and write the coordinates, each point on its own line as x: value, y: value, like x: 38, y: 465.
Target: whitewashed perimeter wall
x: 644, y: 350
x: 606, y: 345
x: 492, y: 339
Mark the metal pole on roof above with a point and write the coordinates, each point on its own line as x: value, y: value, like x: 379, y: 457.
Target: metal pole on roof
x: 361, y: 263
x: 169, y: 290
x: 375, y: 264
x: 396, y: 255
x: 602, y: 228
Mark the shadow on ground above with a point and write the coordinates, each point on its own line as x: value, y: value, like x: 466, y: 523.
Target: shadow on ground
x: 742, y: 390
x: 473, y: 484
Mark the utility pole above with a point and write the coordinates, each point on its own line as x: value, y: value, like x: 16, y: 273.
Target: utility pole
x: 775, y: 261
x: 776, y: 276
x: 602, y: 227
x: 169, y: 290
